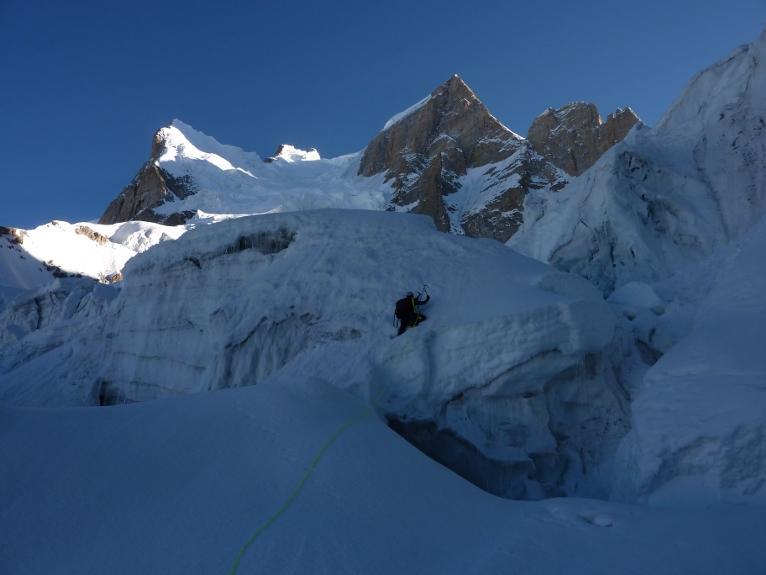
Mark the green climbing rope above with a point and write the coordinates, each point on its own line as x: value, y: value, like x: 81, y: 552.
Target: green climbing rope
x: 294, y: 495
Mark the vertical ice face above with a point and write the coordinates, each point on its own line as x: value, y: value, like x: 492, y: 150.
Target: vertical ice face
x: 513, y: 353
x: 665, y: 197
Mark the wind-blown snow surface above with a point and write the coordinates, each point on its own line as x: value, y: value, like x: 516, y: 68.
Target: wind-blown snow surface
x: 511, y: 369
x: 178, y: 486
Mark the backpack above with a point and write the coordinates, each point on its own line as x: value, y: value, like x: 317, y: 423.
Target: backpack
x: 403, y: 308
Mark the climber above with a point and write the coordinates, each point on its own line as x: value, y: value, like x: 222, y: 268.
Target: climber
x: 407, y: 311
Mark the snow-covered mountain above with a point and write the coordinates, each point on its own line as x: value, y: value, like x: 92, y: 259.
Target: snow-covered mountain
x: 447, y: 157
x: 665, y: 197
x: 30, y: 259
x: 574, y: 136
x: 190, y: 173
x: 671, y: 223
x: 624, y: 362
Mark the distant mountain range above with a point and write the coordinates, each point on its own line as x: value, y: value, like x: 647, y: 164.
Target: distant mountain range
x: 447, y: 157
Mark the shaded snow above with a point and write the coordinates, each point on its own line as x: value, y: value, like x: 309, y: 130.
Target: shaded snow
x: 178, y: 486
x: 523, y: 379
x: 668, y: 197
x: 312, y: 293
x: 699, y: 415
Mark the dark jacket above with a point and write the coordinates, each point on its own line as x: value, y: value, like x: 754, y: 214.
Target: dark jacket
x: 407, y: 308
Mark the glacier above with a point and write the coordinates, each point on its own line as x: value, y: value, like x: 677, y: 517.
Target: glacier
x: 605, y: 365
x: 513, y: 345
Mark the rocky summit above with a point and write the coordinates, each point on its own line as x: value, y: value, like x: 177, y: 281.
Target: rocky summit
x: 574, y: 136
x: 427, y: 154
x: 150, y: 188
x: 446, y: 157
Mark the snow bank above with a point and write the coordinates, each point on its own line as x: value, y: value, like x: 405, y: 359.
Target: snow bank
x: 670, y: 222
x: 178, y: 486
x: 699, y: 417
x: 512, y: 344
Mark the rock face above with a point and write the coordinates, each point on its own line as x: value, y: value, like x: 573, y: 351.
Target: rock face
x: 429, y: 149
x: 152, y: 187
x: 574, y: 137
x: 449, y: 158
x: 668, y: 196
x: 446, y: 157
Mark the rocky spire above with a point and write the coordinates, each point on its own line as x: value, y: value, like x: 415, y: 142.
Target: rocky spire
x: 428, y: 147
x: 574, y: 136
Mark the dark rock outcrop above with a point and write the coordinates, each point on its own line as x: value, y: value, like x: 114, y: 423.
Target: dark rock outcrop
x: 15, y: 235
x: 151, y: 188
x: 91, y: 234
x: 446, y: 157
x: 426, y: 151
x: 574, y: 137
x: 499, y: 218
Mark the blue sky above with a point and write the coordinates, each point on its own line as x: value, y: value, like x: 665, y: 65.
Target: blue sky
x: 84, y: 85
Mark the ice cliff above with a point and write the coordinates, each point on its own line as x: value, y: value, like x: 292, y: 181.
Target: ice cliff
x: 509, y: 381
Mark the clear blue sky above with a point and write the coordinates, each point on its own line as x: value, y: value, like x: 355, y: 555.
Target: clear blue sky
x: 84, y: 85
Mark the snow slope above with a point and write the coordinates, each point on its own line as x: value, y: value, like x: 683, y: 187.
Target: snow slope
x: 511, y: 368
x: 667, y: 197
x: 672, y: 220
x: 179, y: 486
x: 699, y: 414
x: 30, y: 259
x: 227, y: 180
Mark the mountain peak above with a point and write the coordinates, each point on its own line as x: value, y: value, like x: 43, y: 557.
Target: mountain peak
x: 291, y: 154
x: 456, y: 81
x: 574, y: 136
x: 456, y: 88
x: 429, y: 146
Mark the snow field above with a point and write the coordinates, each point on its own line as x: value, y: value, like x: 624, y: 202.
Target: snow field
x: 178, y: 486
